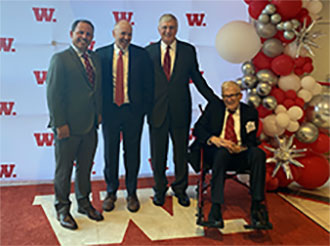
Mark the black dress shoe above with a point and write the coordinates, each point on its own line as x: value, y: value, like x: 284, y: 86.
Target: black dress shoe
x: 66, y: 220
x: 215, y: 217
x: 159, y: 199
x: 259, y: 217
x: 91, y: 212
x: 109, y: 202
x: 183, y: 199
x: 133, y: 204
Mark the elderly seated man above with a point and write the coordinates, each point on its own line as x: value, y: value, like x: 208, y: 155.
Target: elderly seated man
x: 227, y: 130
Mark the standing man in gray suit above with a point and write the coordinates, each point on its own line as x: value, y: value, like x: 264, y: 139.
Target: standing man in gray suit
x: 74, y: 102
x: 175, y: 63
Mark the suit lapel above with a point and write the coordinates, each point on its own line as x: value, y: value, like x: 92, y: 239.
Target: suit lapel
x: 177, y: 61
x: 77, y: 61
x: 243, y: 120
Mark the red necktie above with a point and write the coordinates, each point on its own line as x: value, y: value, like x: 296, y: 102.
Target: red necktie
x: 167, y: 63
x: 230, y: 131
x: 119, y: 97
x: 89, y: 69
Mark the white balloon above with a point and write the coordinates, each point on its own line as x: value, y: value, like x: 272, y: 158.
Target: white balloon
x: 289, y: 82
x: 314, y: 7
x: 293, y: 126
x: 306, y: 95
x: 317, y: 89
x: 295, y: 113
x: 237, y: 41
x: 291, y: 50
x: 280, y: 109
x: 282, y: 120
x: 270, y: 128
x: 305, y: 3
x: 308, y: 82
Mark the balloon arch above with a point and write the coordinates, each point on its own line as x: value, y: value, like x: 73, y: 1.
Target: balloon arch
x: 276, y: 51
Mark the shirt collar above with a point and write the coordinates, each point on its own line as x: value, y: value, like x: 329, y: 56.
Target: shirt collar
x: 164, y: 46
x: 79, y: 53
x: 117, y: 49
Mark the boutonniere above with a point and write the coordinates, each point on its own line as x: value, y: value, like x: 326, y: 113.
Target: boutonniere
x: 250, y: 126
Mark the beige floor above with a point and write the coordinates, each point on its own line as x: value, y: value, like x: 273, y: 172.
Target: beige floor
x: 317, y: 211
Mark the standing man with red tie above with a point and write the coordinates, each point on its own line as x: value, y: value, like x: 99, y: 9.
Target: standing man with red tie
x: 74, y: 102
x: 127, y: 86
x: 228, y: 131
x: 175, y: 63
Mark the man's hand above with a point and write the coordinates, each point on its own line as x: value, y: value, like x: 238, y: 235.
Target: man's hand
x: 99, y: 119
x: 229, y: 145
x: 63, y: 132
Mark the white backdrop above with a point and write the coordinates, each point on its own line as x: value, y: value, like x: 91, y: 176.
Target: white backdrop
x: 31, y: 31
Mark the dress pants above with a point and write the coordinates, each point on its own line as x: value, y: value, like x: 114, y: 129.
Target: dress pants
x: 252, y: 159
x: 82, y: 149
x: 130, y: 124
x: 159, y: 140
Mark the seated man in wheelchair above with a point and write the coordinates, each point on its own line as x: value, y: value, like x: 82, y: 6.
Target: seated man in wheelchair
x: 227, y: 131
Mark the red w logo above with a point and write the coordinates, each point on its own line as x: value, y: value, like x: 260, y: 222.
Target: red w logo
x: 7, y: 108
x: 40, y: 76
x: 91, y: 45
x: 196, y: 19
x: 7, y: 170
x: 123, y: 16
x: 42, y: 14
x: 44, y: 139
x: 5, y: 44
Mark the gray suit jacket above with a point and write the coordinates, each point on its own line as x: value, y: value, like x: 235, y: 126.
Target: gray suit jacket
x: 71, y: 98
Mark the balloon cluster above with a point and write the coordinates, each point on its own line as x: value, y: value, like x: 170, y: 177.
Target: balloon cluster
x: 293, y: 111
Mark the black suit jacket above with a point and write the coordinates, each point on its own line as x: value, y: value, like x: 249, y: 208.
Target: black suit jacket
x: 211, y: 124
x: 140, y: 80
x: 174, y: 96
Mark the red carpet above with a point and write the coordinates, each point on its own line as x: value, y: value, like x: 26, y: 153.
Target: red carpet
x: 25, y: 224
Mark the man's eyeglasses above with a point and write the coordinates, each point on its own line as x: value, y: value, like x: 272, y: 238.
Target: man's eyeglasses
x: 230, y: 96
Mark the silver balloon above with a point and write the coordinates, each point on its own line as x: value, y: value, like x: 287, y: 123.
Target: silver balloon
x: 248, y: 68
x: 263, y: 18
x: 249, y: 81
x: 263, y: 89
x: 275, y: 19
x: 253, y: 99
x: 307, y: 133
x: 295, y: 23
x: 280, y: 26
x: 270, y: 9
x: 288, y: 26
x: 252, y: 91
x: 266, y: 75
x: 240, y: 83
x: 272, y: 47
x: 318, y: 111
x: 269, y: 102
x: 288, y: 35
x: 265, y: 30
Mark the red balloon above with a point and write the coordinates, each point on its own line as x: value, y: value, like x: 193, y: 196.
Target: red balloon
x: 280, y: 35
x: 260, y: 125
x: 321, y: 145
x: 272, y: 184
x: 299, y: 102
x: 308, y: 68
x: 279, y: 94
x: 299, y: 61
x: 247, y: 1
x: 300, y: 145
x: 282, y: 65
x: 303, y: 14
x: 255, y: 8
x: 263, y: 112
x: 261, y: 61
x: 288, y: 103
x: 282, y: 179
x: 298, y: 71
x: 291, y: 94
x: 287, y: 8
x: 308, y: 59
x: 315, y: 172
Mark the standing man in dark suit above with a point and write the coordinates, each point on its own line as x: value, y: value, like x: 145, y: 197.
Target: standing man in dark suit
x: 228, y: 130
x: 127, y: 96
x: 74, y: 102
x: 175, y: 64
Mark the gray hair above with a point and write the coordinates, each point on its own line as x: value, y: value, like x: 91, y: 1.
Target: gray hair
x: 225, y: 85
x: 168, y: 17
